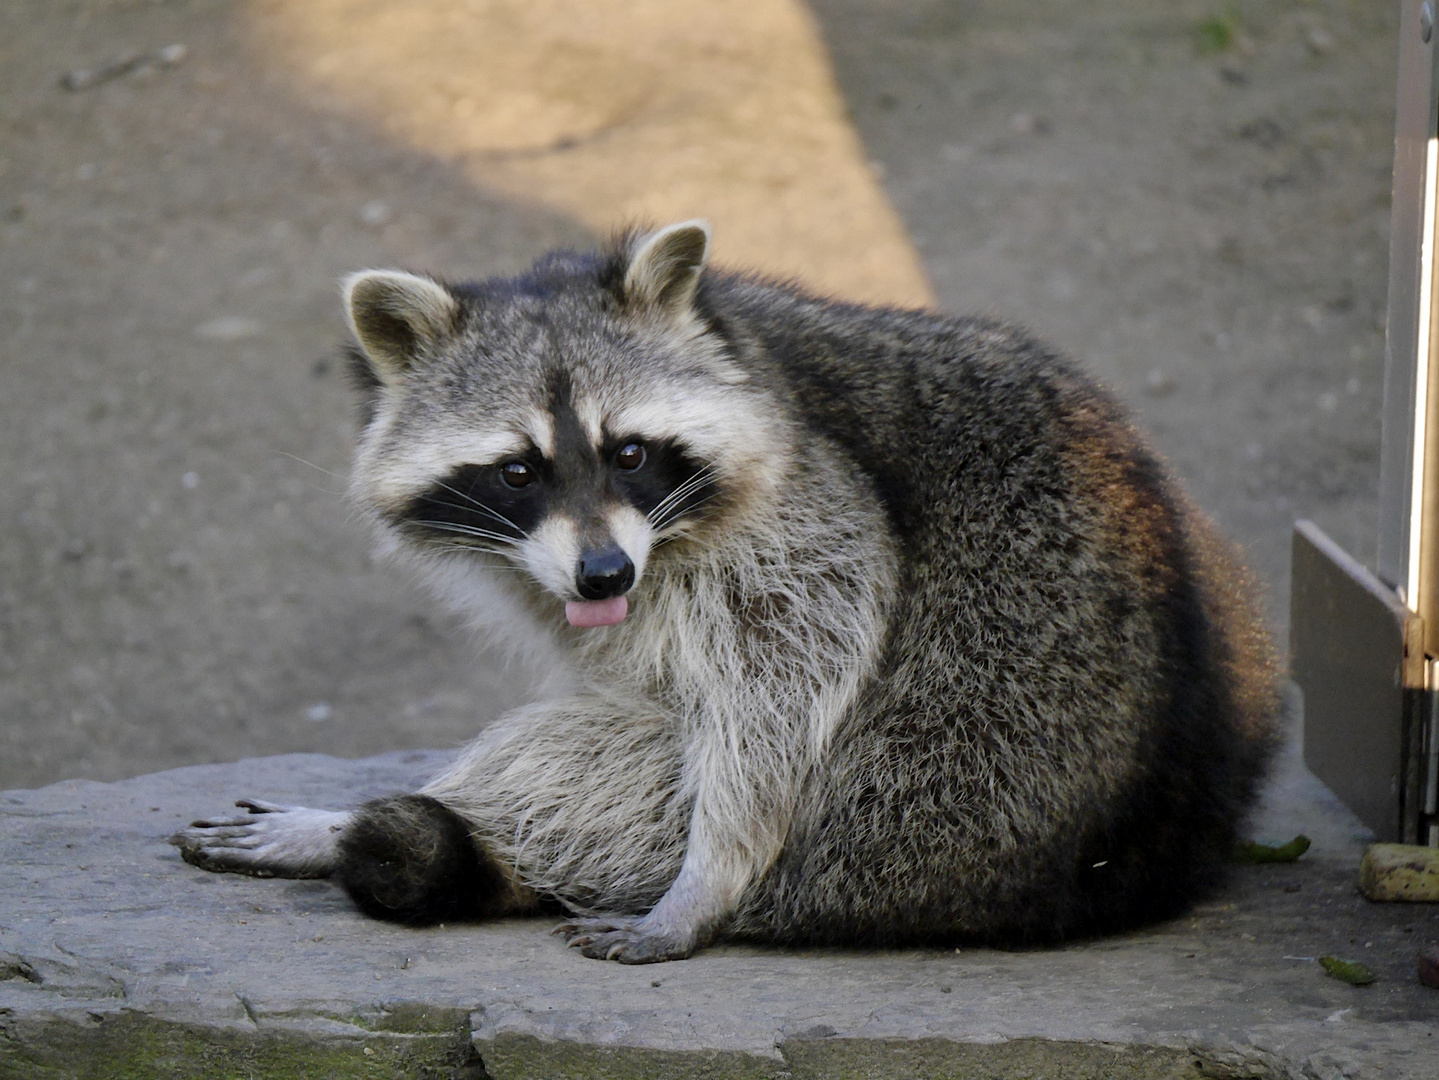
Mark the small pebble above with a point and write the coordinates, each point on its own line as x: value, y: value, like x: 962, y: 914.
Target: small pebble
x: 1022, y: 122
x: 1429, y: 967
x: 1265, y: 131
x: 127, y: 64
x: 374, y: 212
x: 318, y: 713
x: 190, y: 481
x: 1026, y: 123
x: 1159, y: 382
x: 1319, y: 40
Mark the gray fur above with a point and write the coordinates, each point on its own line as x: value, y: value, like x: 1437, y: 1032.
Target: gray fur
x: 942, y: 653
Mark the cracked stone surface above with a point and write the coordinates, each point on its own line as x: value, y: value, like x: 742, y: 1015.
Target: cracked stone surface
x: 113, y: 950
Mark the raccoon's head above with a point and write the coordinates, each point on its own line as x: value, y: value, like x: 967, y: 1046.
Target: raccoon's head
x: 566, y: 423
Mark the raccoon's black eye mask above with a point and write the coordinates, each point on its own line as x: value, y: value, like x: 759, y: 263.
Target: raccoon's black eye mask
x: 482, y: 503
x: 517, y: 474
x: 504, y: 502
x: 664, y: 480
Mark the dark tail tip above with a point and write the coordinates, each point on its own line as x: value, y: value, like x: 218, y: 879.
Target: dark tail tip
x: 411, y: 859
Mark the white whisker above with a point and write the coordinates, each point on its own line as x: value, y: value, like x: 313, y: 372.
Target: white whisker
x: 673, y: 504
x: 437, y: 549
x: 472, y: 549
x: 337, y: 493
x: 472, y: 501
x: 467, y: 530
x: 311, y: 464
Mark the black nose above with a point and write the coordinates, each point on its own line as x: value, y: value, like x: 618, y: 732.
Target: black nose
x: 604, y: 573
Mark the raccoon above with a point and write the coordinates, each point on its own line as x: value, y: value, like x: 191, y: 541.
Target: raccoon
x: 864, y: 625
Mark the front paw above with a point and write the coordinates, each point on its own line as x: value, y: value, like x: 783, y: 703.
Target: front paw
x: 626, y: 938
x: 271, y: 841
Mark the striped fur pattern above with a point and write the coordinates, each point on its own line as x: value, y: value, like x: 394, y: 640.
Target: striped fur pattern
x: 922, y: 643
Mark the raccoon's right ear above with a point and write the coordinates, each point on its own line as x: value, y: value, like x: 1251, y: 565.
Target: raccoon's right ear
x: 397, y: 318
x: 664, y: 269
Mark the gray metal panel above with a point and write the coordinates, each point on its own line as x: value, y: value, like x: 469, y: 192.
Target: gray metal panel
x: 1415, y: 123
x: 1355, y: 647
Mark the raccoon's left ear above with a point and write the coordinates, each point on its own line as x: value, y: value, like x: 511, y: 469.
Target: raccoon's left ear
x: 397, y: 318
x: 664, y: 269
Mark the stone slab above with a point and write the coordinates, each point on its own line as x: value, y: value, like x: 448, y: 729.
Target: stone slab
x: 117, y: 959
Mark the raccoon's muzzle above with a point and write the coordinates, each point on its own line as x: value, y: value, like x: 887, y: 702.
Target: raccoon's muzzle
x: 604, y: 573
x: 603, y: 577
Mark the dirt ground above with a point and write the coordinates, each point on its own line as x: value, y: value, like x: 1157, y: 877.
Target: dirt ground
x: 1192, y: 197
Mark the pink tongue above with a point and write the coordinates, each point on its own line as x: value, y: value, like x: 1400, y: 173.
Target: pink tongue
x: 597, y: 612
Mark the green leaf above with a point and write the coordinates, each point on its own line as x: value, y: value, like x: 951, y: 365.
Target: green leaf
x: 1350, y: 971
x: 1264, y: 853
x: 1218, y: 33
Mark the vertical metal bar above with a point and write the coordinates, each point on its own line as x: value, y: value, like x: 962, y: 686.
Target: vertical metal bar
x: 1420, y: 578
x: 1416, y: 781
x: 1431, y: 738
x: 1409, y: 460
x: 1411, y: 308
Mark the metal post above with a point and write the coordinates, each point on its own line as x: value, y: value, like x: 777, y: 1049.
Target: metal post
x: 1365, y: 647
x: 1411, y: 291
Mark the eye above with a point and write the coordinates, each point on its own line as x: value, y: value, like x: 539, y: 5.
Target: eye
x: 517, y: 474
x: 631, y: 456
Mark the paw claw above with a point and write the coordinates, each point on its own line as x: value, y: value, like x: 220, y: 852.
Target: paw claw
x: 259, y: 806
x: 623, y: 940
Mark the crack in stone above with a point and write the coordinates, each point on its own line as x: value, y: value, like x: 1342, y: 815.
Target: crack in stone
x: 249, y: 1009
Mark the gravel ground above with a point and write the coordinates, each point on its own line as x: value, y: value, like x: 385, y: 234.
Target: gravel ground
x: 1191, y: 197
